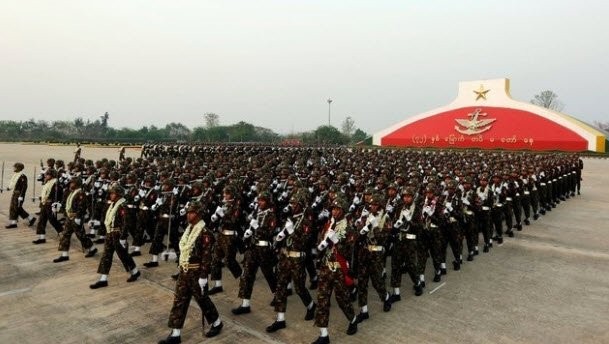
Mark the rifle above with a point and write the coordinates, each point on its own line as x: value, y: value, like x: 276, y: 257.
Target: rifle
x: 2, y: 178
x: 34, y: 186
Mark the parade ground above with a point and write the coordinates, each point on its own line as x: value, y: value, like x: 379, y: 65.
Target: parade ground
x: 548, y: 284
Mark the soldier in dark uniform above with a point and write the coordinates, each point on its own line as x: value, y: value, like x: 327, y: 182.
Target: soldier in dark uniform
x: 431, y: 235
x: 51, y: 194
x: 228, y: 215
x: 468, y: 220
x: 498, y: 192
x: 407, y: 226
x: 374, y: 233
x: 195, y: 265
x: 115, y: 222
x: 76, y: 208
x: 18, y: 184
x: 146, y: 219
x: 484, y: 203
x: 293, y: 240
x: 260, y: 254
x: 333, y: 247
x: 166, y: 209
x: 453, y: 233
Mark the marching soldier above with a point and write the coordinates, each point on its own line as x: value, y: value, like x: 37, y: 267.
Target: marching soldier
x: 146, y: 219
x: 407, y: 226
x: 195, y: 265
x: 229, y: 215
x: 76, y: 208
x: 293, y: 238
x: 333, y: 247
x: 431, y: 236
x: 498, y: 192
x: 374, y: 233
x: 453, y: 233
x: 484, y: 203
x: 18, y: 184
x: 115, y: 222
x: 259, y: 255
x: 468, y: 220
x: 50, y: 196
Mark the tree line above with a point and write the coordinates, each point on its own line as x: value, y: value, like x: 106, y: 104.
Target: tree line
x: 98, y: 131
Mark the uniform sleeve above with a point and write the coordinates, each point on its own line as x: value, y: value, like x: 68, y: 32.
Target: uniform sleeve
x: 207, y: 241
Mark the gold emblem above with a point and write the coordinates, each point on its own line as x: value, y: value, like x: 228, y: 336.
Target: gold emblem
x: 474, y: 125
x: 481, y: 93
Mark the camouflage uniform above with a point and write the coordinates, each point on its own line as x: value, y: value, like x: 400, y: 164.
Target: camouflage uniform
x: 196, y: 265
x: 407, y: 227
x: 16, y: 209
x: 77, y: 210
x: 46, y: 211
x: 112, y: 242
x: 226, y: 245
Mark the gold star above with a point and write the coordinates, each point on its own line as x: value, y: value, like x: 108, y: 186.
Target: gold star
x: 481, y: 93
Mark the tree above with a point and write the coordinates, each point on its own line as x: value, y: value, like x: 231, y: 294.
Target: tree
x: 359, y: 136
x: 326, y: 134
x: 348, y: 126
x: 212, y: 120
x: 549, y: 100
x: 104, y: 120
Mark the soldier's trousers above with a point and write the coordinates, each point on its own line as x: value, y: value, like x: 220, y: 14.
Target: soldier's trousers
x: 226, y: 247
x: 130, y: 225
x: 404, y: 255
x: 508, y: 214
x: 187, y: 286
x: 332, y: 280
x: 535, y: 201
x: 430, y: 243
x: 483, y: 218
x: 46, y: 215
x: 112, y: 244
x: 257, y: 257
x: 453, y: 235
x: 16, y: 209
x: 159, y: 234
x: 370, y: 268
x: 291, y: 270
x: 470, y: 230
x: 517, y: 209
x: 145, y: 223
x: 526, y: 204
x: 66, y: 236
x: 497, y: 221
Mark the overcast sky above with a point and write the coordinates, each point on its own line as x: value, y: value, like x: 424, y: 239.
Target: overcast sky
x: 275, y: 63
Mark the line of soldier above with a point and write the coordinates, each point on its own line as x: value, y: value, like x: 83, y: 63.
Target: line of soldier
x: 334, y: 214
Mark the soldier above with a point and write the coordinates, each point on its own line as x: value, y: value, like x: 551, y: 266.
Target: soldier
x: 50, y: 200
x: 498, y: 193
x: 195, y: 265
x: 374, y: 233
x: 166, y: 208
x: 333, y: 248
x: 468, y: 220
x: 76, y: 208
x: 453, y: 232
x: 18, y: 184
x: 484, y: 202
x: 115, y: 222
x: 407, y: 226
x: 293, y: 238
x: 431, y: 236
x: 146, y: 219
x: 259, y: 255
x: 229, y: 215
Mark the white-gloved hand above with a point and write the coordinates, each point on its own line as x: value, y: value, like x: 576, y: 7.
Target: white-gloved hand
x: 202, y: 284
x: 280, y: 236
x: 97, y: 184
x: 389, y: 208
x: 105, y: 187
x: 20, y: 198
x: 365, y: 213
x: 248, y: 233
x: 220, y: 211
x: 77, y: 221
x: 449, y: 206
x: 289, y: 226
x: 332, y: 236
x: 372, y: 220
x: 356, y: 200
x: 254, y: 224
x: 183, y: 212
x: 142, y: 193
x: 175, y: 190
x: 427, y: 210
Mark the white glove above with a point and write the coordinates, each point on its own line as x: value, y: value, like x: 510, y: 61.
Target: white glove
x: 352, y: 208
x: 100, y: 192
x: 77, y: 221
x: 372, y: 220
x: 136, y: 198
x: 280, y: 236
x: 254, y: 224
x: 365, y: 213
x: 220, y: 212
x: 214, y: 218
x: 248, y: 233
x: 175, y: 190
x: 332, y: 236
x: 399, y: 223
x: 183, y: 212
x: 351, y: 181
x: 466, y: 201
x: 427, y: 210
x: 284, y: 195
x: 324, y: 214
x: 97, y: 184
x: 142, y: 193
x: 317, y: 200
x: 365, y: 229
x: 91, y: 224
x: 20, y: 199
x: 356, y: 200
x: 202, y: 283
x: 56, y: 207
x: 157, y: 187
x: 322, y: 245
x: 105, y: 187
x: 449, y: 206
x: 253, y: 188
x: 289, y: 226
x: 311, y: 189
x: 389, y: 208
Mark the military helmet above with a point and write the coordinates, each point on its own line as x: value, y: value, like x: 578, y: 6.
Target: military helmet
x: 451, y: 184
x: 195, y: 206
x: 19, y: 166
x: 340, y: 202
x: 431, y: 187
x: 409, y: 190
x: 117, y: 189
x: 297, y: 199
x: 51, y: 172
x: 376, y: 199
x: 264, y: 195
